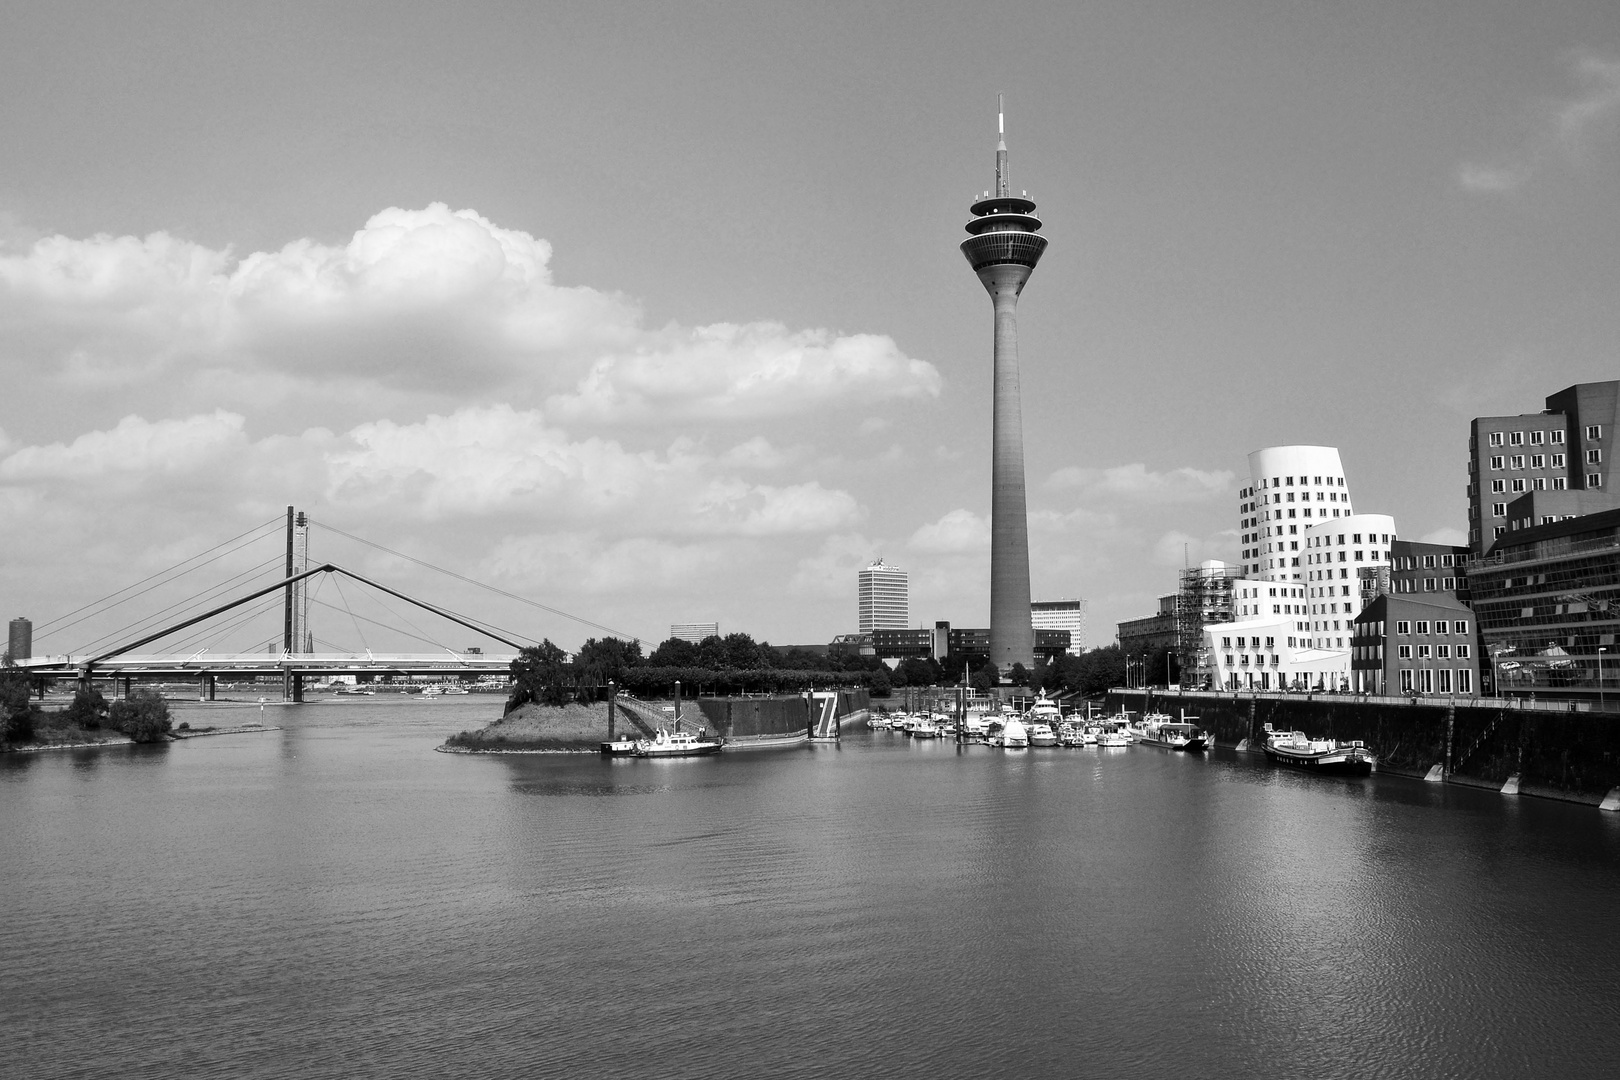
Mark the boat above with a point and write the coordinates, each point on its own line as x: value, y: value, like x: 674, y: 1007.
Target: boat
x: 1157, y: 729
x: 1071, y: 733
x: 924, y: 728
x: 1319, y: 755
x: 1113, y: 733
x: 1014, y: 735
x: 620, y: 747
x: 668, y: 744
x: 1041, y: 734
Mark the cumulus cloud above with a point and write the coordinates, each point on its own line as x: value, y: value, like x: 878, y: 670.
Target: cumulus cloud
x: 1566, y: 130
x: 830, y: 572
x: 1177, y: 548
x: 958, y: 532
x: 137, y: 446
x: 429, y: 301
x: 1137, y: 483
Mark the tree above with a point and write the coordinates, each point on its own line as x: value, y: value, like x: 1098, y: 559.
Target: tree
x: 87, y: 709
x: 143, y: 716
x: 916, y: 671
x: 674, y: 652
x: 711, y: 653
x: 881, y: 686
x: 1019, y: 675
x: 605, y: 660
x: 741, y: 652
x: 986, y: 677
x: 541, y: 673
x: 16, y: 707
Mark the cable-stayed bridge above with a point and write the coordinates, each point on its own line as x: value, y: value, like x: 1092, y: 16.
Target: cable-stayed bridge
x: 191, y: 638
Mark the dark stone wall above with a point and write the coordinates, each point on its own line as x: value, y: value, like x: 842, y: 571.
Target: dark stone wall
x: 775, y: 715
x: 1576, y: 755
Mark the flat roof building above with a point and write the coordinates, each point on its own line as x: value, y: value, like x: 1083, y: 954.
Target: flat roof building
x: 883, y: 598
x: 1067, y: 615
x: 1566, y: 447
x: 694, y: 631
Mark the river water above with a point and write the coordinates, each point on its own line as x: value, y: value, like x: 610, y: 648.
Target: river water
x: 336, y: 900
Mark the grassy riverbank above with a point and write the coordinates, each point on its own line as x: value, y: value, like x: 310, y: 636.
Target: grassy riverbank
x: 540, y: 727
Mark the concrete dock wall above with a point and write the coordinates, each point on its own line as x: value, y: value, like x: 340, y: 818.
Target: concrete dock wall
x: 1554, y: 751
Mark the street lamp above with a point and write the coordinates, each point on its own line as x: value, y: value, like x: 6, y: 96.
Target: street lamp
x: 1601, y: 706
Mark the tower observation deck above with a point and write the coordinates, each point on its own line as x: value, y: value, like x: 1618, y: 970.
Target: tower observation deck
x: 1003, y: 246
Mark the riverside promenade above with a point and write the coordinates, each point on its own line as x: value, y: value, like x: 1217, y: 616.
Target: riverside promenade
x: 1554, y: 749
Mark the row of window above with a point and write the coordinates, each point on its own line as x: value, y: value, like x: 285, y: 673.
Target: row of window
x: 1278, y: 481
x: 1404, y: 627
x: 1520, y: 485
x: 1540, y: 461
x: 1441, y: 652
x: 1411, y: 562
x: 1594, y: 432
x: 1410, y: 585
x: 1436, y: 681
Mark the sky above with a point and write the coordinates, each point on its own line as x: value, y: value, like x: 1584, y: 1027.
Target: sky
x: 654, y: 313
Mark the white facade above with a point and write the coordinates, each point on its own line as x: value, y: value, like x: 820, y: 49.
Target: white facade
x: 1067, y: 615
x: 1290, y: 490
x: 694, y: 631
x: 1268, y: 645
x: 883, y: 598
x: 1331, y: 556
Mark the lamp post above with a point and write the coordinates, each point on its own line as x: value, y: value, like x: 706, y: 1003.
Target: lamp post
x: 1602, y: 707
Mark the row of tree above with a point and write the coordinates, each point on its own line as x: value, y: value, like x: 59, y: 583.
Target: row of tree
x: 738, y: 664
x: 142, y: 716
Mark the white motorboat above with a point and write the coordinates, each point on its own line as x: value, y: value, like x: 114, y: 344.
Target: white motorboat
x: 924, y: 728
x: 1040, y: 734
x: 1014, y: 735
x: 667, y: 744
x: 1157, y: 729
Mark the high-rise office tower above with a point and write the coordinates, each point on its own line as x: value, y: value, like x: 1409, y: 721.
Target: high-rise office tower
x: 1003, y: 248
x: 883, y: 598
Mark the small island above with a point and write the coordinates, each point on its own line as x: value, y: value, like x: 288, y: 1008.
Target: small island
x: 88, y: 720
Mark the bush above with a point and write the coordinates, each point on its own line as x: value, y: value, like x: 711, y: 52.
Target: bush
x: 88, y: 709
x: 143, y: 716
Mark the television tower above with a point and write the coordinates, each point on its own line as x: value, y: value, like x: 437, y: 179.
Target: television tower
x: 1003, y: 248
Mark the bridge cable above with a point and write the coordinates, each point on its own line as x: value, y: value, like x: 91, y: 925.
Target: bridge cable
x: 385, y: 626
x: 471, y: 581
x: 185, y: 603
x: 51, y: 627
x: 224, y: 631
x: 339, y: 587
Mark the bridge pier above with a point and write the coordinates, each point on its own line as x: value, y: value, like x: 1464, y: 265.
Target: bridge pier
x: 206, y: 686
x: 292, y: 687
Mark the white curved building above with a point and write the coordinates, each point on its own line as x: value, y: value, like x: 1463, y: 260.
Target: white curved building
x: 1330, y: 555
x: 1291, y: 489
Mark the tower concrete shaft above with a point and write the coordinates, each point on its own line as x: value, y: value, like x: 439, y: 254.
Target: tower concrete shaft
x: 1003, y: 249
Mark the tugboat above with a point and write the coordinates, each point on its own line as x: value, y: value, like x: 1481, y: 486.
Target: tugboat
x: 1319, y: 755
x: 668, y: 744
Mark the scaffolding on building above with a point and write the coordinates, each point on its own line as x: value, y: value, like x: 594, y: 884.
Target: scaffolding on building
x: 1205, y: 598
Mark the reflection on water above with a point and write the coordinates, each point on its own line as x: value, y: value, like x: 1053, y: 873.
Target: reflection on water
x: 334, y: 899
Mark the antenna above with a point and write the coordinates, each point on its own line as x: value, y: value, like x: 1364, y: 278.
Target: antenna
x: 1001, y: 118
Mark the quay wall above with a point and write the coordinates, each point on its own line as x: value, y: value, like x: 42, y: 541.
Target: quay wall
x: 1553, y: 750
x: 773, y: 714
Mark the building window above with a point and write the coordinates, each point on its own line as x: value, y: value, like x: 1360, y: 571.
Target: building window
x: 1428, y: 562
x: 1518, y: 461
x: 1498, y: 486
x: 1496, y: 461
x: 1451, y: 583
x: 1496, y: 533
x: 1558, y: 483
x: 1425, y: 681
x: 1465, y: 678
x: 1594, y: 457
x: 1442, y: 652
x: 1518, y: 484
x: 1445, y: 680
x: 1423, y: 626
x: 1594, y: 479
x: 1515, y: 438
x: 1558, y: 461
x: 1496, y: 438
x: 1540, y: 484
x: 1462, y: 652
x: 1537, y: 437
x: 1403, y: 627
x: 1406, y: 674
x: 1594, y: 431
x: 1498, y: 510
x: 1538, y: 461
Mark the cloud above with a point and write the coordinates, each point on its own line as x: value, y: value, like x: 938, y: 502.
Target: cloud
x: 1135, y: 483
x: 445, y: 305
x: 874, y: 424
x: 830, y: 572
x: 134, y: 446
x: 1177, y: 548
x: 1566, y: 130
x: 957, y: 533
